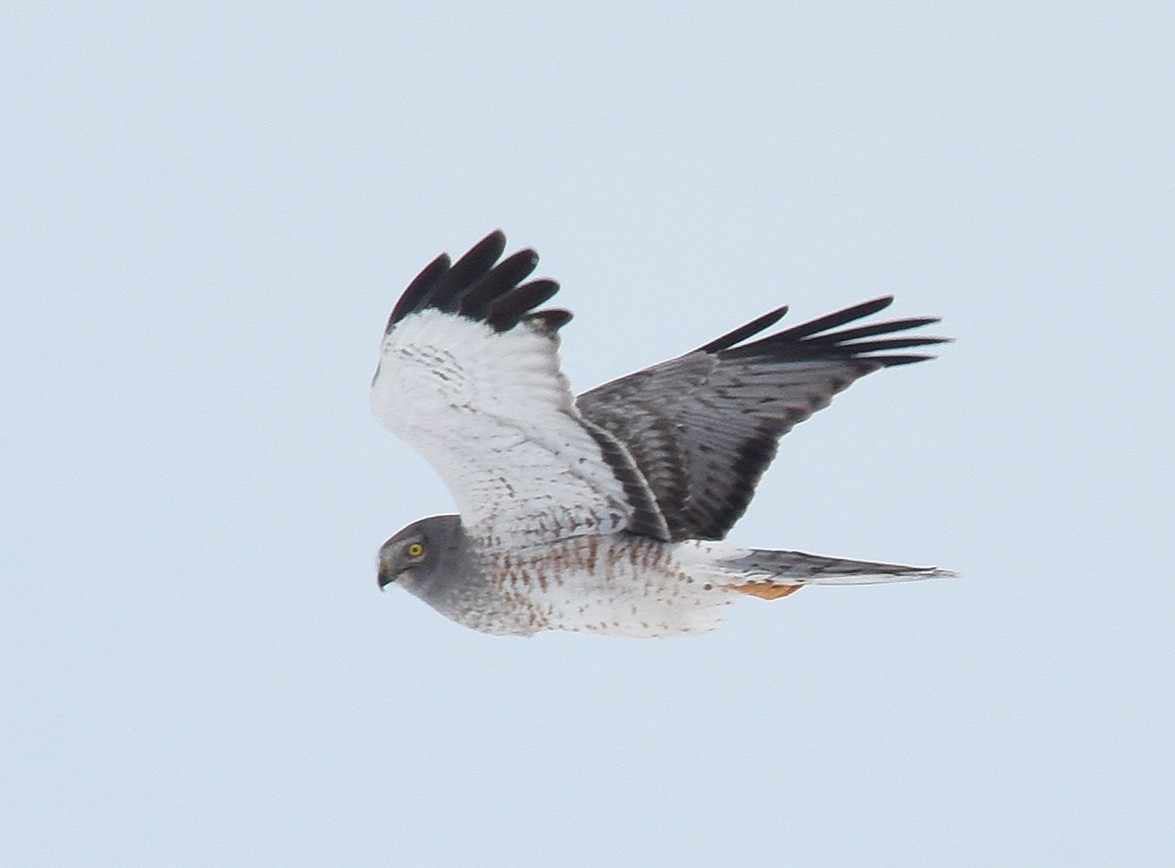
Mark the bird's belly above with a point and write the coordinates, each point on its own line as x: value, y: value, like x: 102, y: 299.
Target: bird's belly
x: 609, y: 585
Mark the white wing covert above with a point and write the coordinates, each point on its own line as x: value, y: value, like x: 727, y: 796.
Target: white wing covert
x: 469, y: 376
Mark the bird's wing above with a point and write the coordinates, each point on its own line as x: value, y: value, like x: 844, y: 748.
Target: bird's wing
x: 703, y: 427
x: 469, y: 376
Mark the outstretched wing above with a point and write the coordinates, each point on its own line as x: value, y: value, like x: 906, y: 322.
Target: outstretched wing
x: 703, y: 427
x: 469, y: 376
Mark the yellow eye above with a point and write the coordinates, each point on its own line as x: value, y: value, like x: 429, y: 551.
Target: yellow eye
x: 414, y: 549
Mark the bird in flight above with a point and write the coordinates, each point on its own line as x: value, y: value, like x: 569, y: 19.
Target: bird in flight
x: 604, y: 513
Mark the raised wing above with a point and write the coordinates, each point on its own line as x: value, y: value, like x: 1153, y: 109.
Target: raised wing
x: 703, y: 427
x: 469, y: 376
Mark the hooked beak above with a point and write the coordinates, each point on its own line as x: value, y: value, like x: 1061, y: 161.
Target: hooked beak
x: 385, y: 577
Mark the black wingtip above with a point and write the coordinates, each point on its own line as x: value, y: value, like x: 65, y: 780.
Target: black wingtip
x: 743, y: 332
x: 909, y: 359
x: 421, y: 287
x: 840, y: 317
x: 514, y: 304
x: 480, y: 286
x: 822, y: 338
x: 550, y: 320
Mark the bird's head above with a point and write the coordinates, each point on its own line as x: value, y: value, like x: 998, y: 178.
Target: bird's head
x: 423, y: 554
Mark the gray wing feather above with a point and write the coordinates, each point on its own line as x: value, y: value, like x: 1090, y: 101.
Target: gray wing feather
x: 702, y: 428
x: 801, y: 568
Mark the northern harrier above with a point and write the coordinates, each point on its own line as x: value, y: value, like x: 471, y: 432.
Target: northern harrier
x: 602, y: 513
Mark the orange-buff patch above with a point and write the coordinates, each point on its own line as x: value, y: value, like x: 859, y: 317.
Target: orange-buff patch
x: 766, y: 590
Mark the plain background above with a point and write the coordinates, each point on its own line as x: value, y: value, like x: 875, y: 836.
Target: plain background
x: 209, y: 210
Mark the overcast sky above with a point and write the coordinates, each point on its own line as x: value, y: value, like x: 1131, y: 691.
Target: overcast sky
x: 208, y: 213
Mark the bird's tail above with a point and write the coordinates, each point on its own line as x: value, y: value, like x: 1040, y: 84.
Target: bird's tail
x: 773, y: 574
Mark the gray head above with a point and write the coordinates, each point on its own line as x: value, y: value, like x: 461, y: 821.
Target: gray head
x: 426, y: 557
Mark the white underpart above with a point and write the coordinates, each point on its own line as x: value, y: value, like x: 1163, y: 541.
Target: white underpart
x: 495, y: 417
x: 608, y: 585
x: 634, y: 610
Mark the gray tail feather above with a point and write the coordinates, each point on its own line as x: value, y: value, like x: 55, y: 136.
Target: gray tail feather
x: 799, y: 568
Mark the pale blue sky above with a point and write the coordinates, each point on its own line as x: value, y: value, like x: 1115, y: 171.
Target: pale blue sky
x: 207, y: 215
